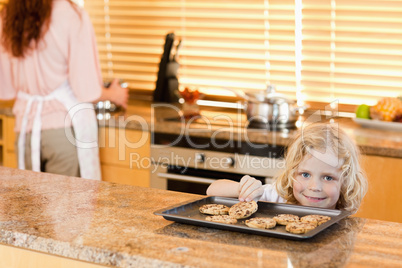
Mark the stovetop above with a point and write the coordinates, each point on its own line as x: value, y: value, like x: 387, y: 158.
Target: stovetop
x: 272, y: 126
x: 235, y: 121
x: 169, y: 141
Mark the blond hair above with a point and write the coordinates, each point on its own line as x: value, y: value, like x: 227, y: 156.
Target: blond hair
x: 322, y: 136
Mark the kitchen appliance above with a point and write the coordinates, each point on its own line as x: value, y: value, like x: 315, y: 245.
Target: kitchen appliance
x: 244, y: 122
x: 190, y: 164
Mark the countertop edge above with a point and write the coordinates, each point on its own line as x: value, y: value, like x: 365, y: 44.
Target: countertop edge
x: 79, y: 252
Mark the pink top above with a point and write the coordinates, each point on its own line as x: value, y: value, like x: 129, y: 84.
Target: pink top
x: 67, y: 52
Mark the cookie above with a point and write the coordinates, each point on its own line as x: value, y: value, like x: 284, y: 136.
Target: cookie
x: 243, y: 209
x: 299, y: 227
x: 261, y: 223
x: 221, y: 219
x: 285, y: 219
x: 214, y: 209
x: 317, y: 219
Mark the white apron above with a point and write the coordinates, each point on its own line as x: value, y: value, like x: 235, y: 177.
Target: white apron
x: 85, y: 129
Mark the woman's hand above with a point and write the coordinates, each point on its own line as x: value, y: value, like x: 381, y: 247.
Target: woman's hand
x: 250, y: 189
x: 116, y: 94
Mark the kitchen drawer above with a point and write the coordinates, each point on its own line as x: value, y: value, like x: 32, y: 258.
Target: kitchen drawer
x: 126, y: 176
x: 125, y: 148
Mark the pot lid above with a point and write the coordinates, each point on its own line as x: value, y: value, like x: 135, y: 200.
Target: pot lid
x: 269, y: 96
x: 278, y: 98
x: 263, y: 96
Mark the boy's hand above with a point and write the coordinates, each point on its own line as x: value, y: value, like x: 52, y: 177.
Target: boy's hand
x: 250, y: 189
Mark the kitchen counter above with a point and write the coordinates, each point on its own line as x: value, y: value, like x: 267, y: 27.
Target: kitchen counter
x: 113, y: 224
x: 147, y: 116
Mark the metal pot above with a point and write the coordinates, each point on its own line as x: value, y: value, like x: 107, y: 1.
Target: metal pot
x: 269, y: 107
x: 271, y: 111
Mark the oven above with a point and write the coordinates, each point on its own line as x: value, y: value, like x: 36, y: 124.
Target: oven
x: 190, y: 164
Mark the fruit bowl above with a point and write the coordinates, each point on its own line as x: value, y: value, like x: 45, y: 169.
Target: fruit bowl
x: 386, y: 114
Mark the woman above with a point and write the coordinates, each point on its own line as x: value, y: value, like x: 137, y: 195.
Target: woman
x: 49, y: 63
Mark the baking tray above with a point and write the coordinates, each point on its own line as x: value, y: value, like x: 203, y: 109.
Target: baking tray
x: 189, y: 213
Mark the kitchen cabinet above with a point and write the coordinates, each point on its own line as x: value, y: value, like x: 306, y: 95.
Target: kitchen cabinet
x: 383, y: 200
x: 18, y: 257
x: 8, y: 156
x: 125, y: 156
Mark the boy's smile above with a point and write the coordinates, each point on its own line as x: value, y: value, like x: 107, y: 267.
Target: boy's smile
x: 318, y: 183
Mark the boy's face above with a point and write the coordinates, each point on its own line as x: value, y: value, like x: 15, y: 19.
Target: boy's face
x: 318, y: 183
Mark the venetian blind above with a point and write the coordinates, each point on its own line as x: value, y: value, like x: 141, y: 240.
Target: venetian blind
x: 238, y: 44
x: 351, y: 50
x: 321, y: 50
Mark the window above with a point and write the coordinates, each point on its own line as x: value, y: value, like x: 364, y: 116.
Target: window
x: 348, y: 51
x: 238, y: 44
x: 318, y: 50
x: 351, y: 50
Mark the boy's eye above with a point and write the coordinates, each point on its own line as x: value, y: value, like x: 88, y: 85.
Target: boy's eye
x: 328, y: 178
x: 305, y: 175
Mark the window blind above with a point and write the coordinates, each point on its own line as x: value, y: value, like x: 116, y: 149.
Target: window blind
x: 238, y: 44
x: 351, y: 50
x: 348, y: 51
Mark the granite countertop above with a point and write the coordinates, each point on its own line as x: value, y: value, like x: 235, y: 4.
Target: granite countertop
x: 229, y: 124
x: 114, y: 224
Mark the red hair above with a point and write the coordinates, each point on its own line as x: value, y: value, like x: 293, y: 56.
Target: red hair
x: 24, y: 21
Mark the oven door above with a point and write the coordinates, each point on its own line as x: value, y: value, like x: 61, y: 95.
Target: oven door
x: 186, y: 184
x: 161, y: 178
x: 199, y: 172
x: 192, y: 180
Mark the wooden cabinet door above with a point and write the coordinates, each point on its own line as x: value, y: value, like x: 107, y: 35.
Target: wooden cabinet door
x: 20, y: 258
x: 125, y: 156
x: 10, y: 156
x: 125, y: 175
x: 384, y: 199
